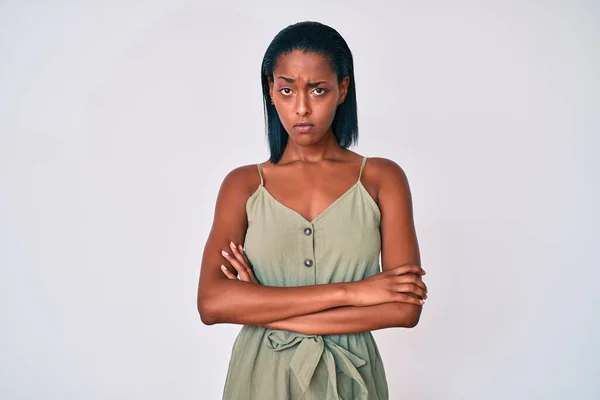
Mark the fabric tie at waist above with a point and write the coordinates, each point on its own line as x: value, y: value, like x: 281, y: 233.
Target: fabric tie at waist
x: 311, y: 348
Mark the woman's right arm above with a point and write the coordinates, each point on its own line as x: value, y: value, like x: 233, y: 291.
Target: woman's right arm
x: 224, y: 300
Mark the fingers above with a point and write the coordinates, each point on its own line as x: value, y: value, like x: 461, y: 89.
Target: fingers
x: 227, y: 272
x: 409, y: 281
x: 240, y: 263
x: 239, y: 267
x: 411, y: 278
x: 411, y: 288
x: 240, y: 255
x: 407, y: 268
x: 405, y: 298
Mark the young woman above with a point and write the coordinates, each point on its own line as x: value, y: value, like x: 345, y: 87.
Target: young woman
x: 293, y: 253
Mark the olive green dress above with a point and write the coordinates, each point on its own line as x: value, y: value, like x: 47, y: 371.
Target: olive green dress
x: 341, y: 244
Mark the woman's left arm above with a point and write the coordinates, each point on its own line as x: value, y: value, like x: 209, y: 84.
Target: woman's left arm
x: 349, y: 319
x: 399, y: 246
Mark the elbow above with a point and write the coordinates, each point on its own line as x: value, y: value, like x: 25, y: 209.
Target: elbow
x: 208, y: 313
x: 211, y: 305
x: 412, y: 321
x: 207, y: 317
x: 408, y: 315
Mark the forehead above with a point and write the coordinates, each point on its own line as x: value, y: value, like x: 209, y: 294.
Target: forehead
x: 298, y: 64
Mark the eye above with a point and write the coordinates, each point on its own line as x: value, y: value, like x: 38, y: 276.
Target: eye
x: 286, y: 93
x: 323, y: 91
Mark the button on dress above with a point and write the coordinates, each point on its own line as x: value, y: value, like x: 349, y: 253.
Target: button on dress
x: 342, y: 244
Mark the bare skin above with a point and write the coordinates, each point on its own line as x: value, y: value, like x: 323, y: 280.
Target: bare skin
x: 312, y: 173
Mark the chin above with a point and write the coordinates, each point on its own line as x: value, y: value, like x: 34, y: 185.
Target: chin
x: 305, y: 138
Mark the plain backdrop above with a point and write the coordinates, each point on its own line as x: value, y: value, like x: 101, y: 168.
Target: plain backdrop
x: 119, y: 120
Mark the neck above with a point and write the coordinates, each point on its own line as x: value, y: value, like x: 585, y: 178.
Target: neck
x: 326, y: 148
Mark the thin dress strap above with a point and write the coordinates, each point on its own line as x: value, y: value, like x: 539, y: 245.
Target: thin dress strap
x: 260, y: 173
x: 364, y: 161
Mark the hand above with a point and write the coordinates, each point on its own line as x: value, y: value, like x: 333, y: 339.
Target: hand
x: 239, y: 261
x: 402, y: 284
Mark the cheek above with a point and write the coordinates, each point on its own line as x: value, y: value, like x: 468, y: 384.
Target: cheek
x: 326, y: 110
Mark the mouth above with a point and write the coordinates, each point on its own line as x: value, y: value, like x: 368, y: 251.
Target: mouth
x: 303, y: 127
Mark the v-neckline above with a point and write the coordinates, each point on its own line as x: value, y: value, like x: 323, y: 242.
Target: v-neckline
x: 322, y: 213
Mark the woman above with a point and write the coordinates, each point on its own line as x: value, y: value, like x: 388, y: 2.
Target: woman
x: 293, y: 253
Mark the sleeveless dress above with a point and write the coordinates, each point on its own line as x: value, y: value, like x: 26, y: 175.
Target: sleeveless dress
x: 342, y: 244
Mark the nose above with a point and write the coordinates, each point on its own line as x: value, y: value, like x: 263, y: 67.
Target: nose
x: 302, y: 105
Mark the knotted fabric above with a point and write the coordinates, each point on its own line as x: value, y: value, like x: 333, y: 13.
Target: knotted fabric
x: 310, y: 349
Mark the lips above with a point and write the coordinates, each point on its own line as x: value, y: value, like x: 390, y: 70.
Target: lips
x: 303, y: 127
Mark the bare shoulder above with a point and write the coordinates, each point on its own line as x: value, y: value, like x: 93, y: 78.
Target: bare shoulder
x: 241, y: 180
x: 387, y: 173
x: 236, y: 188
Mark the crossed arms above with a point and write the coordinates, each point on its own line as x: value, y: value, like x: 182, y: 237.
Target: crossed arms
x: 391, y: 298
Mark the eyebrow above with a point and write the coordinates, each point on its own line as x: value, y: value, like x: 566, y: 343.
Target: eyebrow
x: 309, y: 84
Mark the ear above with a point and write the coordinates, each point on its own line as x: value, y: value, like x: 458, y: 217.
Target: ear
x: 344, y: 89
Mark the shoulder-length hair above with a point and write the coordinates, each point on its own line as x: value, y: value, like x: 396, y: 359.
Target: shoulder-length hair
x: 310, y: 37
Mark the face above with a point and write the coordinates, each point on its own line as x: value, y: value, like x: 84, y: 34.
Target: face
x: 305, y: 90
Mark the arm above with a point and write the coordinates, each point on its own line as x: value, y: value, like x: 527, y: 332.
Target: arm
x: 222, y: 300
x: 399, y: 246
x: 349, y: 319
x: 399, y: 238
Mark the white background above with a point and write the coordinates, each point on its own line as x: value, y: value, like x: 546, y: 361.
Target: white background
x: 119, y: 120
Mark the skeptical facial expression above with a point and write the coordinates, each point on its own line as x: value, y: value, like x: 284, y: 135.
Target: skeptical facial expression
x: 306, y: 93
